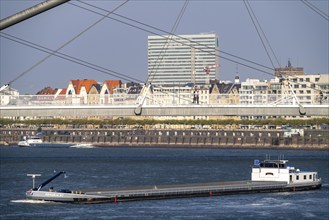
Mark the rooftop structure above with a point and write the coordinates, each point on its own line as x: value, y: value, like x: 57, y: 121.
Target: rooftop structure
x: 110, y: 85
x: 77, y: 87
x: 289, y: 70
x: 47, y: 91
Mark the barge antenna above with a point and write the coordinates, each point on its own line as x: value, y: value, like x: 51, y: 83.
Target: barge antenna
x: 33, y: 179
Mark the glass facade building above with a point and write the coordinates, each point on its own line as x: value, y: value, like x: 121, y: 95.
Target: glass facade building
x: 182, y: 59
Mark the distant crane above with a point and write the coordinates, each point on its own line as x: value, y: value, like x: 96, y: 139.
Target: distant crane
x: 207, y: 70
x: 193, y: 65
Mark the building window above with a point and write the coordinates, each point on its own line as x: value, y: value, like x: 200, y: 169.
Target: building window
x: 310, y: 177
x: 307, y: 79
x: 304, y: 177
x: 297, y: 177
x: 317, y: 79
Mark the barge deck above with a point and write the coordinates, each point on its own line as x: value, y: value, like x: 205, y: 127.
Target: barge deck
x: 195, y: 190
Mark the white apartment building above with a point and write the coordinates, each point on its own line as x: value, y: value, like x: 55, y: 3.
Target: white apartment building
x: 253, y: 92
x: 173, y: 95
x: 323, y: 85
x: 178, y: 60
x: 180, y: 95
x: 7, y: 95
x: 309, y: 89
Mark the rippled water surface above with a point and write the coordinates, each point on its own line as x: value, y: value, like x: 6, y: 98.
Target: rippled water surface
x: 120, y: 167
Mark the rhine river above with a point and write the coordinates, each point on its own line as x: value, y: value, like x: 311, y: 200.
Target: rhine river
x: 121, y: 167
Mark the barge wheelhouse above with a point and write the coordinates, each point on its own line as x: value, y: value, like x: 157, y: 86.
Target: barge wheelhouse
x: 278, y: 170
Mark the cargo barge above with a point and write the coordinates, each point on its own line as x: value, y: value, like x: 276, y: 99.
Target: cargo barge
x: 266, y: 176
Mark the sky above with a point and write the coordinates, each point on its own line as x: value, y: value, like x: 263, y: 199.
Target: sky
x: 293, y: 30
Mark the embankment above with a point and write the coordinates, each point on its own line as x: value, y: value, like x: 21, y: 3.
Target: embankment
x: 312, y: 139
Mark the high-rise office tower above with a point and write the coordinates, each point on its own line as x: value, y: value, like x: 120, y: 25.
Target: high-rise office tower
x: 182, y: 59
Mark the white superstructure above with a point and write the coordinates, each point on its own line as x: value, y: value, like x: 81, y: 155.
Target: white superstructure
x: 277, y: 170
x: 31, y: 141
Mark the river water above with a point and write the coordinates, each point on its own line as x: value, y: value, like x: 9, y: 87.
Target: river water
x: 121, y: 167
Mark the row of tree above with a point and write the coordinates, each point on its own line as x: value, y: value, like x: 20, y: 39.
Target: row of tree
x: 144, y: 122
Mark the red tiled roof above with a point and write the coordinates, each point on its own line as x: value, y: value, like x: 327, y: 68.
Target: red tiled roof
x: 61, y: 95
x: 112, y: 84
x: 47, y: 91
x: 63, y: 92
x: 78, y: 84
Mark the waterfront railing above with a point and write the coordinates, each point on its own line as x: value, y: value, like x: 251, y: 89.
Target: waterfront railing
x: 130, y: 99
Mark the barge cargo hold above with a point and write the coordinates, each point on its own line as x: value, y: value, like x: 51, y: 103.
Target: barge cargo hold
x: 267, y: 176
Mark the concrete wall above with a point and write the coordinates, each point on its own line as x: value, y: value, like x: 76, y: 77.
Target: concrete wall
x: 174, y: 138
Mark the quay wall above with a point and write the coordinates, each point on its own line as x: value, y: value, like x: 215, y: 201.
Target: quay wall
x: 312, y: 139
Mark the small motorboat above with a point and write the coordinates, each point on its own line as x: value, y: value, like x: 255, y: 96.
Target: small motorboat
x: 23, y: 143
x: 30, y: 141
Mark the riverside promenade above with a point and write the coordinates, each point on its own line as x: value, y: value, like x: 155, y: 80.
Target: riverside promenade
x: 237, y: 138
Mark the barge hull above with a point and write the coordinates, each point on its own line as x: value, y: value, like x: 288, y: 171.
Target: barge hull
x: 178, y: 191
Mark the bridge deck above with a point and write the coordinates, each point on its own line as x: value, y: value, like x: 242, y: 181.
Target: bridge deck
x: 158, y: 110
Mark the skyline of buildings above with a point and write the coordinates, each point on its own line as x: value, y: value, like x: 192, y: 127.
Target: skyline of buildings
x: 251, y: 91
x: 302, y: 89
x: 194, y: 58
x: 184, y: 69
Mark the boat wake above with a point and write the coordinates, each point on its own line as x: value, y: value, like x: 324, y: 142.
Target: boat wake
x: 30, y: 201
x: 82, y: 146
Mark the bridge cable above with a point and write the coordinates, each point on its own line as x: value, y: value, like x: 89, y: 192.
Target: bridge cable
x: 166, y: 44
x: 257, y: 27
x: 253, y: 19
x: 135, y: 27
x: 179, y: 37
x: 173, y: 30
x: 186, y: 44
x: 315, y: 9
x: 68, y: 57
x: 68, y: 42
x: 77, y: 61
x: 168, y: 33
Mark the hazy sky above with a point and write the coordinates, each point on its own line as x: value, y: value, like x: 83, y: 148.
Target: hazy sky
x: 293, y: 30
